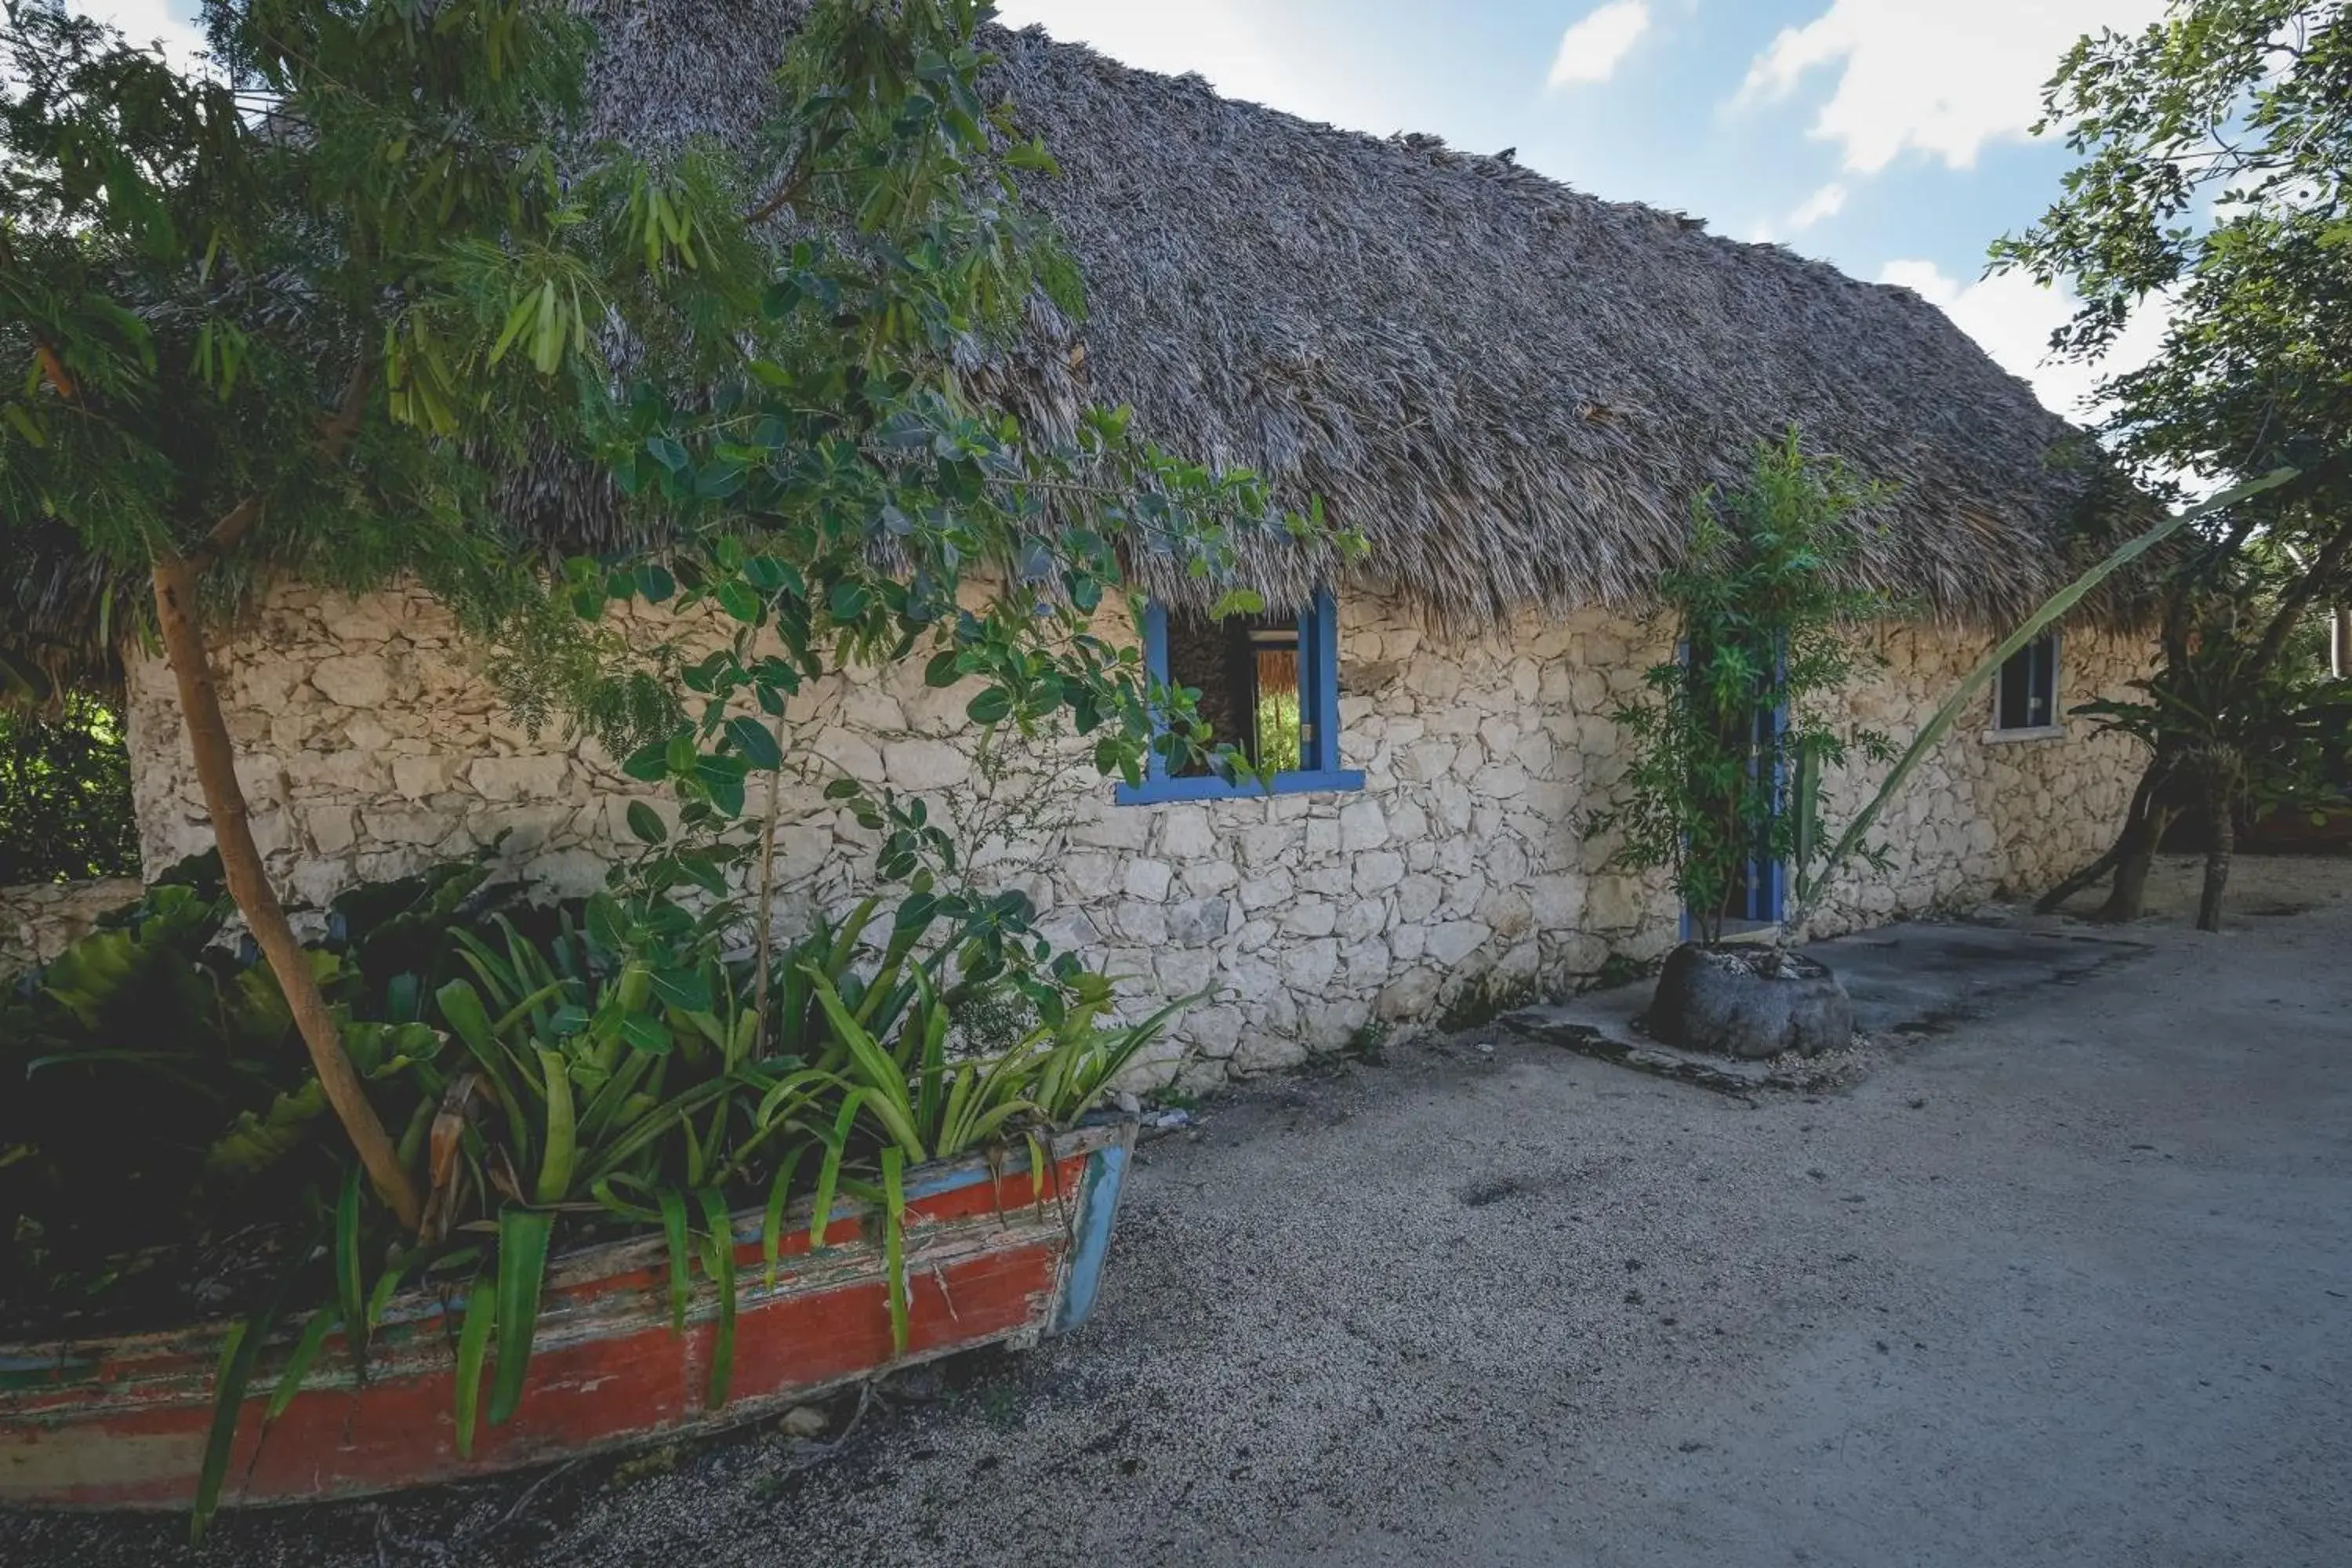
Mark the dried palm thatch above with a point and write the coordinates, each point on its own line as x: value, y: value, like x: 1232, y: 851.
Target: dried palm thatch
x: 1514, y: 390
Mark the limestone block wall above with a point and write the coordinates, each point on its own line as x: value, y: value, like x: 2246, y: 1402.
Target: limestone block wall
x: 369, y: 745
x: 38, y: 920
x: 1984, y: 815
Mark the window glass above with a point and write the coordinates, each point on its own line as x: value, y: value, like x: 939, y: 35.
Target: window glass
x: 2028, y: 696
x: 1246, y: 671
x: 1268, y: 687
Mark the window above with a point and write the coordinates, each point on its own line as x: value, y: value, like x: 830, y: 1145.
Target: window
x: 2025, y: 701
x: 1269, y: 685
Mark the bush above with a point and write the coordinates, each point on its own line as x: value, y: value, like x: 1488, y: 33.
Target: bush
x: 65, y: 795
x: 1767, y: 622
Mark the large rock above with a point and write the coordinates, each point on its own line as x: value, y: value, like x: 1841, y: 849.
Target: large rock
x: 1749, y: 1002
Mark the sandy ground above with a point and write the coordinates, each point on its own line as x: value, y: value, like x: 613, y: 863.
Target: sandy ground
x: 2069, y: 1282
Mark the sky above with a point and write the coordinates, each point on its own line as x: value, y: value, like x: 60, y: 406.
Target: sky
x: 1888, y: 137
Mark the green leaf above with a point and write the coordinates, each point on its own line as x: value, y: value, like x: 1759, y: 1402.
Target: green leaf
x: 646, y: 1034
x: 523, y: 1235
x: 687, y: 990
x: 649, y: 764
x: 558, y: 1151
x: 351, y: 1291
x: 893, y: 1244
x: 943, y: 670
x: 473, y: 1346
x: 646, y: 823
x: 298, y: 1362
x: 757, y: 743
x: 828, y: 1170
x: 991, y: 706
x: 230, y: 1377
x: 737, y: 600
x: 771, y: 1222
x: 721, y: 1260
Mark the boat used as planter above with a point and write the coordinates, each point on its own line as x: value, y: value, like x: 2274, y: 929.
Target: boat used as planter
x: 992, y: 1257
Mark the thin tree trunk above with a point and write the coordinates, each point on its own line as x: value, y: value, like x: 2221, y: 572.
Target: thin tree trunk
x: 248, y: 884
x: 2136, y: 859
x: 2050, y: 901
x: 2107, y: 862
x: 766, y: 936
x: 2220, y: 843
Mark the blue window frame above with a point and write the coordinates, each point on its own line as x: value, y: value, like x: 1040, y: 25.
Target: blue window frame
x: 1312, y: 639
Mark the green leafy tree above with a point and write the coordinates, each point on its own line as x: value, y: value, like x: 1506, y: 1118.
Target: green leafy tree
x: 1766, y: 613
x: 64, y: 795
x: 2214, y: 147
x: 306, y: 310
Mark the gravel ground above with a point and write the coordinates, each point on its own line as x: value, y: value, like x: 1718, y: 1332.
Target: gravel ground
x: 2066, y: 1283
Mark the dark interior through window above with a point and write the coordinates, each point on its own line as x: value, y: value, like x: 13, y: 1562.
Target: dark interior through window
x: 1246, y: 670
x: 2029, y: 687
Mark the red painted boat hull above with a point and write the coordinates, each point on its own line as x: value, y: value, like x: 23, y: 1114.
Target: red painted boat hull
x: 990, y: 1259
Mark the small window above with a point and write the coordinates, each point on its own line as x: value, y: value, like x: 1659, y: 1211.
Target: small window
x: 1269, y: 686
x: 2027, y: 698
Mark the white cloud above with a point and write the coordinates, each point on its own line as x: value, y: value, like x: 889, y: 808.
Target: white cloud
x: 167, y: 21
x: 1592, y: 49
x: 1222, y: 39
x: 1825, y: 203
x: 2011, y: 318
x: 1939, y: 77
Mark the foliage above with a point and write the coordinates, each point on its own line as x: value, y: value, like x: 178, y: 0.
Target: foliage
x: 835, y: 492
x: 64, y: 795
x: 555, y: 1070
x: 1940, y: 724
x: 2268, y: 738
x: 157, y: 1092
x: 308, y: 314
x: 2214, y: 151
x: 1766, y: 620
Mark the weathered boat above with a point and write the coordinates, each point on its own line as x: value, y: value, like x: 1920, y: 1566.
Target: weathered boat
x: 992, y: 1256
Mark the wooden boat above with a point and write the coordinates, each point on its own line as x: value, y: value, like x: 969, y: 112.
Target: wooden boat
x: 992, y: 1257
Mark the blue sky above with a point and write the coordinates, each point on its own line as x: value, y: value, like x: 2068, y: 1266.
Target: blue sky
x: 1886, y: 136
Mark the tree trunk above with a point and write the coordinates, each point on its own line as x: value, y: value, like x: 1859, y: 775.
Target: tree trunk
x: 2141, y: 795
x: 2050, y: 901
x: 248, y: 884
x: 2135, y: 859
x: 2220, y: 843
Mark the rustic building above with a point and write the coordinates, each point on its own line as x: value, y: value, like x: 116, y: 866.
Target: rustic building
x: 1513, y: 389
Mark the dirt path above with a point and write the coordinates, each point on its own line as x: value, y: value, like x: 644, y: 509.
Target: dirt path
x: 2068, y: 1284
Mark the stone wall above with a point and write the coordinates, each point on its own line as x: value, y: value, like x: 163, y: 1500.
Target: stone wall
x: 1984, y: 816
x: 38, y: 920
x: 368, y: 746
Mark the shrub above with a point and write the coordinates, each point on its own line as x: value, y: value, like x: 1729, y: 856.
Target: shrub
x: 1765, y: 607
x: 65, y: 795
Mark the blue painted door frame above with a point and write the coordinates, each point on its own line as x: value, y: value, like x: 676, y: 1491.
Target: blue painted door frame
x: 1766, y: 899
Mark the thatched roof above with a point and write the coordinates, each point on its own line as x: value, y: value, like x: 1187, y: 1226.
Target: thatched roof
x: 1512, y: 388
